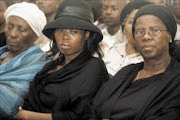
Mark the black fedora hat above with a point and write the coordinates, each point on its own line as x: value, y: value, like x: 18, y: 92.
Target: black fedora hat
x: 72, y: 14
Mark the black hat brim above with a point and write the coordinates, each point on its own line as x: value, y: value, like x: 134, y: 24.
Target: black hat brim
x: 70, y: 22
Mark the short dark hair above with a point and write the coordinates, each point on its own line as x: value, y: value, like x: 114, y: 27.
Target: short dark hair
x: 97, y: 8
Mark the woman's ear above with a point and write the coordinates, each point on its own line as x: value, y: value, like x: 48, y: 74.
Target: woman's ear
x: 87, y: 34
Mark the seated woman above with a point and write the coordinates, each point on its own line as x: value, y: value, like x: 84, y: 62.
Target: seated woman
x: 148, y: 90
x: 20, y: 60
x: 127, y: 50
x: 62, y: 89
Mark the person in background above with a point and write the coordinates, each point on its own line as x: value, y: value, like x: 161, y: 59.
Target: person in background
x: 112, y: 34
x: 127, y: 50
x: 97, y: 8
x: 3, y: 8
x: 11, y: 2
x: 176, y: 11
x: 49, y: 8
x: 32, y: 1
x: 20, y: 60
x: 147, y: 90
x: 75, y: 74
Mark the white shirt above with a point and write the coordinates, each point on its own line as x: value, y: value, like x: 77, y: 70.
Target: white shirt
x: 177, y: 37
x: 115, y: 54
x: 43, y: 42
x: 110, y: 39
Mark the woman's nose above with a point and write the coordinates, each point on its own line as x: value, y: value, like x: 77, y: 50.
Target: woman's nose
x: 65, y: 35
x: 147, y: 35
x: 13, y: 32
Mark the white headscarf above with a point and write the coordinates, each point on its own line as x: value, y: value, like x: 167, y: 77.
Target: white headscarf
x: 30, y: 13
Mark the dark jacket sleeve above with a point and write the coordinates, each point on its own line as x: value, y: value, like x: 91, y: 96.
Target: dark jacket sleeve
x: 91, y: 111
x: 82, y: 90
x: 27, y: 104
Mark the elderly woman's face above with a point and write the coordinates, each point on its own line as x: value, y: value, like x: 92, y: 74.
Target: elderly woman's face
x: 20, y: 36
x: 128, y: 28
x: 152, y: 37
x: 70, y: 41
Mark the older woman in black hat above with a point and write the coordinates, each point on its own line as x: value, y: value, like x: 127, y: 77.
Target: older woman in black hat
x: 148, y: 90
x: 62, y: 89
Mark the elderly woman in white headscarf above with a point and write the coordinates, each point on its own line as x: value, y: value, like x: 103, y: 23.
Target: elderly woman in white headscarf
x: 20, y: 60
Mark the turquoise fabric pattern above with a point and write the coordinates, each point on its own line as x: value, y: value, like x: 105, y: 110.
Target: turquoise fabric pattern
x: 15, y: 76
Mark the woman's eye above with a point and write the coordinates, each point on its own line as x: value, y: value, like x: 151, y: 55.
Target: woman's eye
x: 60, y: 30
x: 139, y: 32
x: 155, y: 30
x: 73, y: 31
x: 114, y: 8
x: 10, y: 26
x: 22, y: 30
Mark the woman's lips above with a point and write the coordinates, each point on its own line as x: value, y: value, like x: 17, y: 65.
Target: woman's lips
x: 147, y: 47
x: 12, y: 43
x: 64, y: 46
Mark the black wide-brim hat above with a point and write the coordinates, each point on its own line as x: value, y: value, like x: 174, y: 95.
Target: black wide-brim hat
x: 72, y: 14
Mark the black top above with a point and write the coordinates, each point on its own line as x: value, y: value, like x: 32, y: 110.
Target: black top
x: 131, y: 100
x: 153, y: 98
x: 2, y: 39
x: 66, y: 92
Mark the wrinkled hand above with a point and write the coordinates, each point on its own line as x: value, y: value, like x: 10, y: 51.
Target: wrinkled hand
x: 23, y: 114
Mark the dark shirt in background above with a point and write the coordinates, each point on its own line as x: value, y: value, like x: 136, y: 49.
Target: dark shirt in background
x: 2, y: 39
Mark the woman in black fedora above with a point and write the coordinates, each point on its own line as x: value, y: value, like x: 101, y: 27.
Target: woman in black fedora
x: 62, y: 89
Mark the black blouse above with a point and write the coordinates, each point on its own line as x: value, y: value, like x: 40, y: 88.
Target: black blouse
x: 132, y: 99
x: 66, y: 92
x: 153, y: 98
x: 2, y: 39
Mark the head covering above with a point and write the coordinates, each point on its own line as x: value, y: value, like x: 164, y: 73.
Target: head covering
x: 129, y: 8
x: 72, y: 14
x: 30, y: 13
x: 163, y: 13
